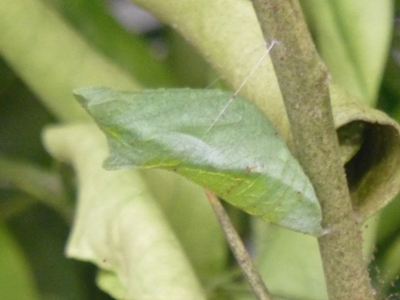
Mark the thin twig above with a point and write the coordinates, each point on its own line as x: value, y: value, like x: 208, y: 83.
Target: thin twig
x: 239, y: 251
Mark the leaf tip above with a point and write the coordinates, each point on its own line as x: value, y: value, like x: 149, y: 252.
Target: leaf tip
x: 90, y: 95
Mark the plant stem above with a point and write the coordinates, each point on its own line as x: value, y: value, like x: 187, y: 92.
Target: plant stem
x: 303, y: 80
x: 239, y: 251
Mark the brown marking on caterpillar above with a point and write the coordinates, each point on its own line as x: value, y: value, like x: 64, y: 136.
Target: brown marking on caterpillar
x: 250, y: 168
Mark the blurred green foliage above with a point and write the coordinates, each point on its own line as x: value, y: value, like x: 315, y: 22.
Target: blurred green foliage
x: 33, y: 233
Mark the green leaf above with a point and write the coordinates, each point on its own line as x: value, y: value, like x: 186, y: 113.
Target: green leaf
x: 16, y: 278
x: 52, y: 58
x: 241, y: 157
x: 42, y: 235
x: 353, y: 38
x: 390, y: 265
x: 193, y: 221
x: 130, y: 50
x: 300, y: 266
x: 43, y: 185
x: 119, y: 226
x: 389, y: 221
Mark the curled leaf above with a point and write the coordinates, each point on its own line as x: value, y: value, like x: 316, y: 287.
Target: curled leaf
x: 119, y: 226
x: 353, y: 38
